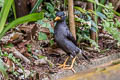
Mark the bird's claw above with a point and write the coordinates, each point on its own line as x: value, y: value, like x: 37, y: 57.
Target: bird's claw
x: 63, y: 66
x: 70, y: 68
x: 66, y: 67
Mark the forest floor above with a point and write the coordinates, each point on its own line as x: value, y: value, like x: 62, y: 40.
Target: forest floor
x: 41, y: 57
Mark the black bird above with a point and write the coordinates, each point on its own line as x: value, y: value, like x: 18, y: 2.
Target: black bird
x: 65, y: 39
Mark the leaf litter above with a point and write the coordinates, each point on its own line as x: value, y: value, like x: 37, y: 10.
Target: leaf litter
x: 31, y: 43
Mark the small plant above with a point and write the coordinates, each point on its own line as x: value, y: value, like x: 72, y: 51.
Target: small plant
x: 15, y: 60
x: 109, y: 24
x: 29, y: 46
x: 86, y: 23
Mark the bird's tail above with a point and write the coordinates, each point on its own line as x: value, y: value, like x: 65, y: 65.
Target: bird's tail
x: 83, y: 55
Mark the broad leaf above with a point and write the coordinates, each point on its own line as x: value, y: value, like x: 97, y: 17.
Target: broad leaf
x: 28, y: 18
x: 102, y: 16
x: 4, y: 13
x: 42, y: 36
x: 14, y: 11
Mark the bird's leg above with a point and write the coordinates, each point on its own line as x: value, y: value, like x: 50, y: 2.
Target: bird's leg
x: 72, y: 64
x: 64, y: 64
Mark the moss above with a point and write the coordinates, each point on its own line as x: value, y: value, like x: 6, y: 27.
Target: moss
x: 115, y: 63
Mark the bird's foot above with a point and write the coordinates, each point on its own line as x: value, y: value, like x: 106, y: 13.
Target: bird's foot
x: 63, y: 65
x: 70, y: 68
x: 67, y: 67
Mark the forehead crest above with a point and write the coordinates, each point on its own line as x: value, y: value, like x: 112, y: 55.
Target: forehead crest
x: 60, y: 14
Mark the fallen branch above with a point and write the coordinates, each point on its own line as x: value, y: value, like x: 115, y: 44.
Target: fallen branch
x: 19, y: 55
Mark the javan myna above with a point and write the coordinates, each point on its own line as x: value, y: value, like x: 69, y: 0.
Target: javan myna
x: 65, y: 40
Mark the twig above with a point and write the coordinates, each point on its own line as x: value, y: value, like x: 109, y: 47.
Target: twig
x: 19, y: 55
x: 117, y: 5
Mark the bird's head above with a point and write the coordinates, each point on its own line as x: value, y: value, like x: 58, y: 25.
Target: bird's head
x: 60, y: 16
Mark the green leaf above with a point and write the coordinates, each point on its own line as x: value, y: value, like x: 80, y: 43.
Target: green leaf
x: 14, y: 11
x: 51, y: 42
x: 10, y: 56
x: 101, y: 15
x: 65, y: 2
x: 3, y: 69
x: 1, y: 3
x: 9, y: 45
x: 109, y: 27
x: 36, y: 6
x: 42, y: 36
x: 92, y: 1
x: 29, y: 46
x: 49, y: 27
x: 93, y: 42
x: 102, y: 6
x: 96, y: 1
x: 28, y: 18
x: 49, y: 7
x: 40, y: 56
x: 80, y: 9
x: 46, y: 23
x: 5, y: 54
x: 94, y: 29
x: 4, y: 13
x: 93, y: 23
x: 115, y: 12
x: 117, y: 23
x: 0, y: 14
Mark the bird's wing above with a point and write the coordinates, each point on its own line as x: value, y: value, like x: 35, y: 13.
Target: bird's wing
x: 70, y: 37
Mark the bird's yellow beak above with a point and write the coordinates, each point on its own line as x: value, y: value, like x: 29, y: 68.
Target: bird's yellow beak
x: 57, y: 18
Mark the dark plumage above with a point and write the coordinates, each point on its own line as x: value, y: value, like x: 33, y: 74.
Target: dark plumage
x: 63, y: 36
x: 65, y: 40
